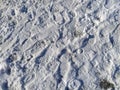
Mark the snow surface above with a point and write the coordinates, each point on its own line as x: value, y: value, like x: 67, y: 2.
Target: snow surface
x: 59, y: 44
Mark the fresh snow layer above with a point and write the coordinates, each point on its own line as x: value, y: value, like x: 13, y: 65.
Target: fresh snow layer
x: 59, y: 44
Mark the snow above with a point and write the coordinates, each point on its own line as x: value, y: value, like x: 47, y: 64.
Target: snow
x: 59, y: 44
